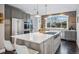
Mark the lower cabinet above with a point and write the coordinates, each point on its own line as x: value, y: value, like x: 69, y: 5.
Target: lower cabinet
x: 56, y: 43
x: 70, y: 35
x: 49, y: 46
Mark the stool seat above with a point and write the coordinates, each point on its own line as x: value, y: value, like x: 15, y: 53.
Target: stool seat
x: 21, y: 49
x: 8, y: 45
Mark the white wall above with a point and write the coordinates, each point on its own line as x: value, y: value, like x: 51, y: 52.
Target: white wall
x: 2, y: 37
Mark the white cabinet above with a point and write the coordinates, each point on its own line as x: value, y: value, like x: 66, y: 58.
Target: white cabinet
x: 43, y: 48
x: 20, y: 26
x: 17, y: 26
x: 70, y: 35
x: 48, y: 46
x: 62, y: 35
x: 56, y: 43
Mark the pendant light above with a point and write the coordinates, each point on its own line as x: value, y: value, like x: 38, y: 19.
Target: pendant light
x: 37, y: 15
x: 46, y: 10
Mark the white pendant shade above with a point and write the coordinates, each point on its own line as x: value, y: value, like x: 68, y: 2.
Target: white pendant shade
x: 38, y: 16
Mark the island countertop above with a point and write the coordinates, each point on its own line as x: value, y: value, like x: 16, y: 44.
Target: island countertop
x: 35, y: 37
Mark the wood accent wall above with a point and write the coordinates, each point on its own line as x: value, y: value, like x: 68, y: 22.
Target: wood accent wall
x: 71, y: 21
x: 1, y: 17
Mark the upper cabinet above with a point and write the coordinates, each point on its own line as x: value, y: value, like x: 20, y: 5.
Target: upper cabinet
x: 13, y: 12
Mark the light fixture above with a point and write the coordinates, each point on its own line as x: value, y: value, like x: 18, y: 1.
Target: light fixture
x: 45, y: 11
x: 37, y: 15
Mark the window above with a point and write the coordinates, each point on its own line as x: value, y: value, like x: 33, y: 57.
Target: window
x: 57, y: 21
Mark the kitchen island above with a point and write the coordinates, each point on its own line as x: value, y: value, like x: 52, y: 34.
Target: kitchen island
x: 44, y: 43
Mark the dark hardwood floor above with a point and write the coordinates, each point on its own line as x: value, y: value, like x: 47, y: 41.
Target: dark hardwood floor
x: 66, y: 47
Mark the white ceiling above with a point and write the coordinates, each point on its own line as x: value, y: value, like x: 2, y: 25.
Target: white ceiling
x: 51, y: 8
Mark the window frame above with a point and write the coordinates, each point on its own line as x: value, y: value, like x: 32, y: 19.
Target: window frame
x: 56, y: 27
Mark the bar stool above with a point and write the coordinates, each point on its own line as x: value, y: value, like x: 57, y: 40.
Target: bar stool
x: 8, y: 45
x: 21, y: 49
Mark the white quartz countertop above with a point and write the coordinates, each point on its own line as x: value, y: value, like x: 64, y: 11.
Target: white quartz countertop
x: 33, y: 37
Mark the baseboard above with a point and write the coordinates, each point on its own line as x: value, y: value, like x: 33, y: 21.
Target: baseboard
x: 2, y: 50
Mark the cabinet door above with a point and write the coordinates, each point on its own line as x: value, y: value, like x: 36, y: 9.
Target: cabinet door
x: 73, y: 36
x: 47, y: 46
x: 62, y: 35
x: 56, y: 43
